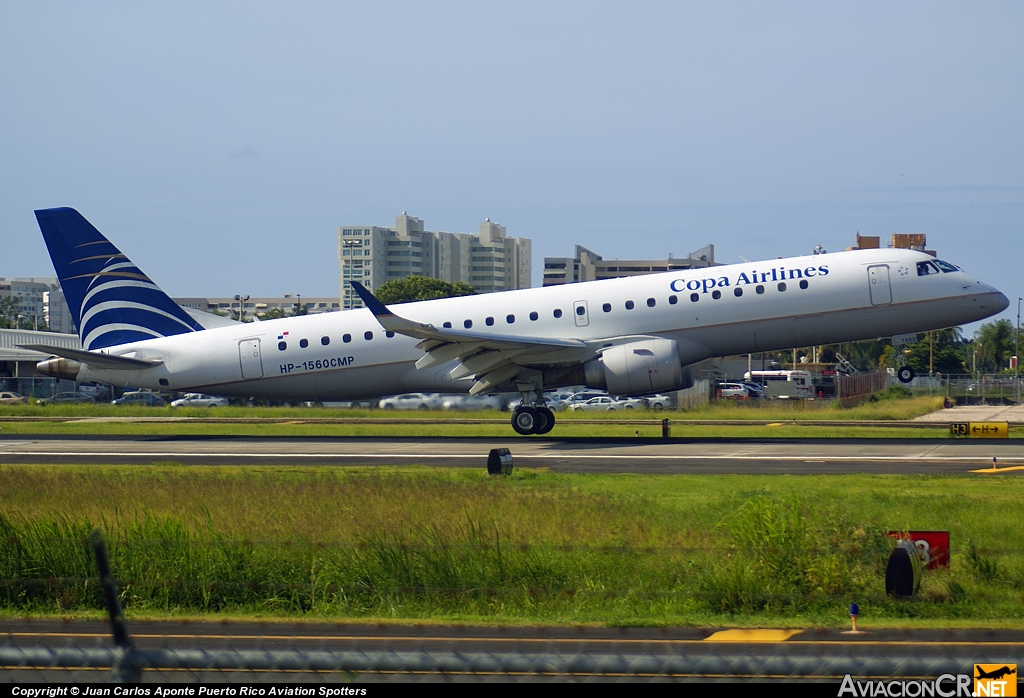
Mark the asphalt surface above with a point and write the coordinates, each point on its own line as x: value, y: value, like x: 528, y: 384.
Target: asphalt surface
x: 815, y: 644
x: 718, y: 455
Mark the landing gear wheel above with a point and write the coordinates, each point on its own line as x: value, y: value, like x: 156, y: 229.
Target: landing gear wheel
x: 905, y: 374
x: 525, y: 420
x: 549, y: 422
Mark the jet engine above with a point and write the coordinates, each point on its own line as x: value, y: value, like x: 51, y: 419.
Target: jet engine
x: 638, y: 368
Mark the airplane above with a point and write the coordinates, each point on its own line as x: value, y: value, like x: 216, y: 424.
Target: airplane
x: 995, y: 673
x: 630, y: 336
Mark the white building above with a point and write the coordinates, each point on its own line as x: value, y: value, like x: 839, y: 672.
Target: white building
x: 41, y: 303
x: 488, y: 260
x: 587, y: 265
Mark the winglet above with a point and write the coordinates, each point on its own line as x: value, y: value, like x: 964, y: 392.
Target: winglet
x: 370, y: 301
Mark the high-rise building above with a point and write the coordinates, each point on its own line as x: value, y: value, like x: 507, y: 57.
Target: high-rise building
x: 487, y: 260
x: 587, y: 265
x: 40, y: 302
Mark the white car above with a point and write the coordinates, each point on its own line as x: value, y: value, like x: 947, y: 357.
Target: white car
x: 200, y: 400
x: 410, y: 401
x: 657, y: 402
x: 606, y: 403
x: 472, y: 402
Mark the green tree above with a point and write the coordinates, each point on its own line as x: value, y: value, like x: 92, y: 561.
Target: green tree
x: 9, y: 311
x: 421, y: 288
x: 945, y: 352
x: 271, y: 314
x: 994, y: 345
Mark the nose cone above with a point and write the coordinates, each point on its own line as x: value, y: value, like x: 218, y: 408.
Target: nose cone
x: 1000, y: 302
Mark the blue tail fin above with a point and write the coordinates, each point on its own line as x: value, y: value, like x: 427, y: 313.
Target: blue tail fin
x: 111, y: 300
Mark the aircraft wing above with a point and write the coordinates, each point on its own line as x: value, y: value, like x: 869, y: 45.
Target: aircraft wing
x: 491, y: 359
x: 94, y: 359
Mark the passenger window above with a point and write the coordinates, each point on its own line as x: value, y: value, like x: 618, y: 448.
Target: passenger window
x: 447, y: 325
x: 782, y: 285
x: 325, y: 340
x: 803, y: 283
x: 510, y: 319
x: 303, y: 343
x: 694, y: 297
x: 534, y: 315
x: 467, y: 324
x: 716, y: 294
x: 651, y: 302
x: 629, y: 305
x: 558, y: 312
x: 607, y: 307
x: 489, y: 321
x: 737, y: 292
x: 346, y: 338
x: 368, y: 335
x: 282, y: 345
x: 580, y: 310
x: 389, y: 334
x: 759, y: 289
x: 672, y: 300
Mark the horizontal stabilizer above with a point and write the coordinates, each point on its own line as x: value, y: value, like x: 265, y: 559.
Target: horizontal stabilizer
x: 96, y: 360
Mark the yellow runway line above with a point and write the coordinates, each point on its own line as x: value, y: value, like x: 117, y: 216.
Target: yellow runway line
x: 751, y: 635
x: 1004, y: 469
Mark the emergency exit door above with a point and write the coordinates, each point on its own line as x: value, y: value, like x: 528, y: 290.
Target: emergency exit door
x: 579, y: 311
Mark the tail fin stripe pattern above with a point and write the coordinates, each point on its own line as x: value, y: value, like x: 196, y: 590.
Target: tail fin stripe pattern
x: 122, y: 333
x: 113, y: 301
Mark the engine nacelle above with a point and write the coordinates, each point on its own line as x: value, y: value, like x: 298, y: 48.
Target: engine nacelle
x: 57, y: 367
x: 638, y: 368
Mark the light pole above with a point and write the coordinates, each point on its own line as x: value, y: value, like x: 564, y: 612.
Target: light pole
x: 241, y: 305
x: 1016, y: 352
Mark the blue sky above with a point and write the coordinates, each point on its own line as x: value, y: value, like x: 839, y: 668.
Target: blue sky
x: 220, y: 145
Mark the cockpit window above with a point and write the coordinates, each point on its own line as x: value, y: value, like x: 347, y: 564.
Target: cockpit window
x: 926, y: 268
x: 946, y: 266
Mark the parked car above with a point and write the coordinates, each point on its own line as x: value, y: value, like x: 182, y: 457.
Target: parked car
x: 9, y: 397
x: 755, y: 389
x: 734, y: 391
x: 657, y: 401
x: 411, y: 401
x: 606, y: 403
x: 140, y: 398
x: 200, y: 400
x: 69, y: 398
x: 472, y: 402
x: 346, y: 404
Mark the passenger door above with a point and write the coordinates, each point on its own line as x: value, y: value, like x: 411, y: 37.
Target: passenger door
x: 878, y: 283
x: 249, y: 357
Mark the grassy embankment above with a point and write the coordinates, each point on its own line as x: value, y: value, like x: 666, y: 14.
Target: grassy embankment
x: 538, y: 547
x: 334, y: 422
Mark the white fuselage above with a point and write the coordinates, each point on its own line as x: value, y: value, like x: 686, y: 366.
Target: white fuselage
x: 849, y: 296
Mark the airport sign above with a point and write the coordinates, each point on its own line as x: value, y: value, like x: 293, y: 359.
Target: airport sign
x: 980, y: 430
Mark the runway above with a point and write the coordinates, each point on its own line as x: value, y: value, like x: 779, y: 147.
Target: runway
x: 590, y: 455
x: 819, y: 647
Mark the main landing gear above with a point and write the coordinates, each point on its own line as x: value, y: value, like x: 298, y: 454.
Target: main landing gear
x: 528, y: 420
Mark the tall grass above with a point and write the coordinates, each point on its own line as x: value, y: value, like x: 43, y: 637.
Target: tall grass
x: 427, y: 544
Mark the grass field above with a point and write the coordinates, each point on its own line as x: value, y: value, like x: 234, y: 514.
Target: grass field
x: 737, y: 419
x: 537, y: 547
